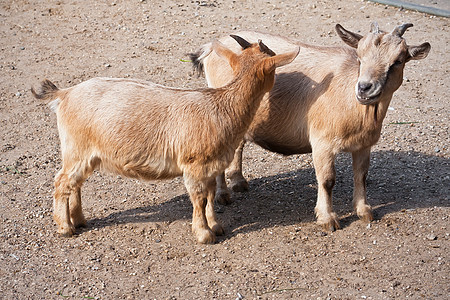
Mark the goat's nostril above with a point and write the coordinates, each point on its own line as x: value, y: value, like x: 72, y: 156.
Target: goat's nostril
x: 364, y: 86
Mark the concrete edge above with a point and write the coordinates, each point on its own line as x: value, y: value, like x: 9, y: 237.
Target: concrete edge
x: 425, y: 9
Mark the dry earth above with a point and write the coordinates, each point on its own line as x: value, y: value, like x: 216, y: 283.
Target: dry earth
x: 138, y: 243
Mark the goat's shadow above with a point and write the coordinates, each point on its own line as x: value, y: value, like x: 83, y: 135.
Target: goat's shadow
x: 397, y: 181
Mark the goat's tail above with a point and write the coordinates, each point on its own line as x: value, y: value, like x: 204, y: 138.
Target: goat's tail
x: 198, y: 57
x: 47, y: 91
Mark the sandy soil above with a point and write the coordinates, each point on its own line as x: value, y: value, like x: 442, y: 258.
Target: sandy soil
x: 138, y: 243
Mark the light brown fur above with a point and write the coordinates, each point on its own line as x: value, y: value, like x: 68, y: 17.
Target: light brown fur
x: 147, y: 131
x: 325, y: 102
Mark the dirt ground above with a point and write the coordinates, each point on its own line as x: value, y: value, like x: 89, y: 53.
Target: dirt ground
x: 138, y: 243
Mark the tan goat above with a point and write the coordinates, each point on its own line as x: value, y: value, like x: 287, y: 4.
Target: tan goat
x: 329, y: 100
x: 143, y: 130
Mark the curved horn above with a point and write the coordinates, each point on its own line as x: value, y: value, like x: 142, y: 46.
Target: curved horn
x: 244, y: 44
x: 400, y: 30
x: 264, y: 49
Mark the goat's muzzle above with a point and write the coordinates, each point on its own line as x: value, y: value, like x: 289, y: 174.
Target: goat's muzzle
x: 367, y: 92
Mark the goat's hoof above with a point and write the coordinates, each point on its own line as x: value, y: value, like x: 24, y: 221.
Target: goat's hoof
x: 223, y: 197
x: 239, y: 186
x: 66, y: 231
x: 331, y: 223
x: 217, y: 229
x: 205, y: 236
x: 365, y: 214
x: 80, y: 222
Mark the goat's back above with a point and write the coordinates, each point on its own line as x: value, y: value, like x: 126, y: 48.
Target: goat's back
x: 133, y: 126
x: 319, y: 82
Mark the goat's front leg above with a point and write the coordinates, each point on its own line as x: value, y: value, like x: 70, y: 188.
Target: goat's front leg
x: 234, y: 171
x: 361, y: 161
x: 326, y: 178
x: 237, y: 180
x: 222, y: 195
x: 198, y: 193
x: 210, y: 213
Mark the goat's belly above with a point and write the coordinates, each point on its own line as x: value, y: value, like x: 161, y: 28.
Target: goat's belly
x: 283, y: 148
x: 147, y: 170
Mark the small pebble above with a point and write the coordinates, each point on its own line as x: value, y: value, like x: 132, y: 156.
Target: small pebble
x: 107, y: 65
x: 431, y: 237
x: 22, y: 48
x: 14, y: 256
x: 18, y: 94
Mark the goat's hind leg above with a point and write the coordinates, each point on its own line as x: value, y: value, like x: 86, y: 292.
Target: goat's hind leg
x: 61, y: 211
x: 361, y: 161
x: 75, y: 209
x: 67, y: 210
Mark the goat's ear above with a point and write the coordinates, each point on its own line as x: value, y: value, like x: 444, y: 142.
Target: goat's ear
x: 225, y: 53
x: 269, y: 64
x: 281, y: 59
x: 418, y: 52
x: 350, y: 38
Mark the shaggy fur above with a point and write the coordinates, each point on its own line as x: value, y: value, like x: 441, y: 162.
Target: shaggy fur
x: 329, y: 100
x: 147, y: 131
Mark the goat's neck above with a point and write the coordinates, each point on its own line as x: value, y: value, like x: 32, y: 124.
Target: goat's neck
x: 374, y: 114
x: 242, y: 98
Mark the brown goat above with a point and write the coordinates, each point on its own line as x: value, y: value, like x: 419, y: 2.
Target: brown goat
x: 143, y: 130
x: 329, y: 100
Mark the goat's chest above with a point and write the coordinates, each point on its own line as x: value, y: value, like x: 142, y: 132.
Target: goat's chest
x: 356, y: 140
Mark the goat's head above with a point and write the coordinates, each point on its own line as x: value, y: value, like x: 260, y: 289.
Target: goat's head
x: 382, y: 57
x: 254, y: 58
